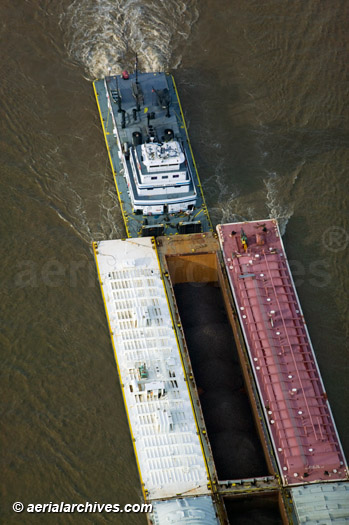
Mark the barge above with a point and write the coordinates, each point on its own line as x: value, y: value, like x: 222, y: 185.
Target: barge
x: 295, y: 404
x: 228, y: 415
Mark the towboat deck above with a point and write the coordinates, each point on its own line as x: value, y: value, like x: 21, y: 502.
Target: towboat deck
x: 294, y: 400
x: 121, y: 121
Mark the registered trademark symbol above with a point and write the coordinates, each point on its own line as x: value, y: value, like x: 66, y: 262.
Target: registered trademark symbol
x: 335, y: 239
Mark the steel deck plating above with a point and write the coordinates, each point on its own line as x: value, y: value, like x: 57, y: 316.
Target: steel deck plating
x: 295, y: 404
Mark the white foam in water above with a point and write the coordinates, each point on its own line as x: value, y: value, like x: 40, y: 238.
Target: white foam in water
x: 103, y: 34
x: 278, y: 198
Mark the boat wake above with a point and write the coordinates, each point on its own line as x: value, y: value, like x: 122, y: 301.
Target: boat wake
x: 278, y: 199
x: 274, y: 201
x: 105, y: 35
x: 73, y: 208
x: 278, y: 208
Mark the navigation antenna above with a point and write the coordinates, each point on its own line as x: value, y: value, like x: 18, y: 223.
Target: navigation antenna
x: 136, y: 89
x: 136, y: 68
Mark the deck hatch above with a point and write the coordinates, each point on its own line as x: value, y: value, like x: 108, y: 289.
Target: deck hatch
x: 152, y: 231
x: 325, y: 503
x: 190, y: 227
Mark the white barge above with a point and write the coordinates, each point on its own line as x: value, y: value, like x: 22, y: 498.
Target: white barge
x: 156, y: 395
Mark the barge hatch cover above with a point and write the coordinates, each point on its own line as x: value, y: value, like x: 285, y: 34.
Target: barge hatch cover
x: 294, y: 400
x: 167, y: 446
x: 186, y: 511
x: 324, y: 503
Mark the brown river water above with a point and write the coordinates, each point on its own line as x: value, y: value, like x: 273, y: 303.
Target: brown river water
x: 264, y: 86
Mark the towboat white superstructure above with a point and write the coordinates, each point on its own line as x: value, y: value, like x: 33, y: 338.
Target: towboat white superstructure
x: 159, y: 178
x: 153, y: 165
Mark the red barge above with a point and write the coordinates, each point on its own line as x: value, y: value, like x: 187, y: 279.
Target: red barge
x: 293, y: 397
